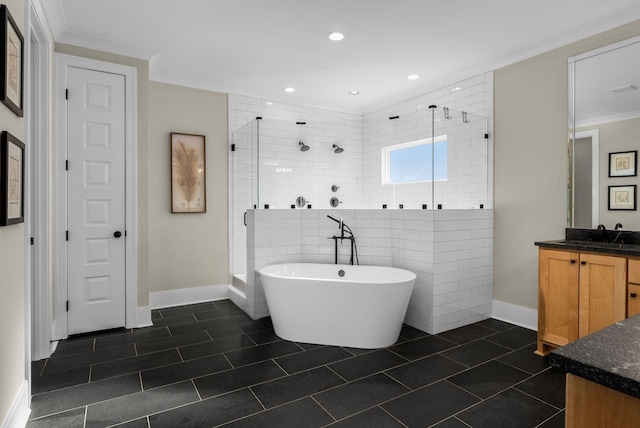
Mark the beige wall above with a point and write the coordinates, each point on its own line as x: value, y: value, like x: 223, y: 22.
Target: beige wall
x: 530, y: 162
x: 12, y: 246
x: 187, y: 250
x: 175, y: 250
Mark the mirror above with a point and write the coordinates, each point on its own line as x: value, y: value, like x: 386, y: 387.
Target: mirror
x: 604, y: 118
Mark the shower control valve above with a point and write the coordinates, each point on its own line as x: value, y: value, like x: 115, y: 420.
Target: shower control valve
x: 334, y: 188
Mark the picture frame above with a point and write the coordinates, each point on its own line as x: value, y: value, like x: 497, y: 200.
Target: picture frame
x: 11, y: 180
x: 188, y: 173
x: 623, y: 164
x: 622, y: 197
x: 11, y: 63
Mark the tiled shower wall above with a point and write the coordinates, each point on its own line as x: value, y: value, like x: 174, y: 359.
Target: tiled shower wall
x: 286, y: 172
x: 449, y: 251
x: 470, y: 168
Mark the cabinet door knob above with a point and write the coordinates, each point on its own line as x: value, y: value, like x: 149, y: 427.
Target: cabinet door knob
x: 633, y: 295
x: 573, y: 262
x: 583, y: 263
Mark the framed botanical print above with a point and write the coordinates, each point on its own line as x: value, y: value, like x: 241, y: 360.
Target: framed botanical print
x: 11, y: 63
x: 623, y: 164
x: 622, y: 197
x: 188, y: 173
x: 11, y: 180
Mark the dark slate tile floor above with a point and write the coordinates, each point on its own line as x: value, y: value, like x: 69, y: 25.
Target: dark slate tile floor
x: 210, y: 365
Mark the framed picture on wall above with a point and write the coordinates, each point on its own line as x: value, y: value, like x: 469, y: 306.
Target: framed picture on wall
x: 11, y: 180
x: 623, y: 164
x: 188, y: 173
x: 11, y: 63
x: 622, y: 197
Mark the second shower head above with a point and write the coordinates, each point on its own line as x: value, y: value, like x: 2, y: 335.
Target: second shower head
x: 303, y: 146
x: 337, y: 149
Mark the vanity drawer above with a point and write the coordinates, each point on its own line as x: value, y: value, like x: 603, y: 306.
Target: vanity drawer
x: 634, y: 271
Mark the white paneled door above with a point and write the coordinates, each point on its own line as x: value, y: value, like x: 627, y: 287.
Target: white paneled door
x: 95, y: 200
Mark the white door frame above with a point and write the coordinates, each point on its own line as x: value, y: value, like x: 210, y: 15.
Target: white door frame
x: 38, y: 134
x: 63, y: 63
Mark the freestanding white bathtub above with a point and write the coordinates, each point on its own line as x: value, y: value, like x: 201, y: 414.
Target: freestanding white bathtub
x: 312, y: 303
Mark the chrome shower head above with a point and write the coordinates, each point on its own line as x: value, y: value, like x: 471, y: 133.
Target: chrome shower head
x: 337, y: 149
x: 303, y: 146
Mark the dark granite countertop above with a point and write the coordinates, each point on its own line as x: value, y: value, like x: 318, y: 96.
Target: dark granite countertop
x: 610, y: 357
x: 625, y: 242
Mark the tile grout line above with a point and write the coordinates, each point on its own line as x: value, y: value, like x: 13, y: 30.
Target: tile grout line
x: 196, y: 388
x: 322, y: 407
x: 549, y: 418
x: 385, y: 410
x: 256, y: 397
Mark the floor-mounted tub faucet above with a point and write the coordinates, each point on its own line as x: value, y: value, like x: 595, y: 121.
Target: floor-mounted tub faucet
x: 344, y: 228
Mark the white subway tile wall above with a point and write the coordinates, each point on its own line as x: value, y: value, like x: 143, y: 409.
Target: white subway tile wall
x: 450, y: 251
x: 470, y: 171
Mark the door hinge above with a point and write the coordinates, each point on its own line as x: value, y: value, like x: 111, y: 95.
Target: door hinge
x: 233, y: 147
x: 67, y: 306
x: 67, y: 235
x: 32, y: 240
x: 66, y: 165
x: 66, y: 94
x: 125, y: 233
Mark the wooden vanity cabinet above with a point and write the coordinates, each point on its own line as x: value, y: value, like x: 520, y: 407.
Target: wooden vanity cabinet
x: 633, y: 288
x: 558, y: 282
x: 578, y: 294
x: 603, y: 292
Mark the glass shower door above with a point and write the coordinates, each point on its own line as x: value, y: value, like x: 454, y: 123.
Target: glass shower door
x: 244, y: 191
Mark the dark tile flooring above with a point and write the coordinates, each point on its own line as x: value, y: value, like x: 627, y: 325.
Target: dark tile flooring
x: 210, y: 365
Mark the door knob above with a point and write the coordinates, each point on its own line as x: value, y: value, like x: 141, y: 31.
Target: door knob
x: 117, y: 234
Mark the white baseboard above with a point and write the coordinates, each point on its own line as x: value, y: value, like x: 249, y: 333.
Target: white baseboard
x: 514, y: 314
x: 187, y: 296
x: 144, y: 317
x: 19, y: 412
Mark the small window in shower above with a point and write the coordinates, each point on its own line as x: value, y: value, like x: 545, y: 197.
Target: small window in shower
x: 412, y: 162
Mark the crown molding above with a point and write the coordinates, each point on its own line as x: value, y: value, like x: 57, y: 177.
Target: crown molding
x: 109, y: 46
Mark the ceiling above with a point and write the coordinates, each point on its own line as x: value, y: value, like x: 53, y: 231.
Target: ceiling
x: 259, y: 47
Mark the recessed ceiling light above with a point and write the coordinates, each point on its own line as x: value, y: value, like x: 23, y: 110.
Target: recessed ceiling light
x: 289, y: 89
x: 335, y: 36
x: 456, y: 89
x: 269, y: 103
x: 354, y: 92
x: 413, y: 76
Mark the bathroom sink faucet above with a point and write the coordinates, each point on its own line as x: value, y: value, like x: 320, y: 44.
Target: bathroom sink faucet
x: 605, y: 235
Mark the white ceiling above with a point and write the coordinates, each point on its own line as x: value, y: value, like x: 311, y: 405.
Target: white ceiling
x: 258, y: 47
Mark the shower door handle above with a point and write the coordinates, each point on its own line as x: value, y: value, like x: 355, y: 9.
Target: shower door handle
x: 245, y: 218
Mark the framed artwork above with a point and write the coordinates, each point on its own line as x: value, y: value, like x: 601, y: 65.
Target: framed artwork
x: 622, y: 197
x: 11, y: 63
x: 11, y: 180
x: 623, y: 164
x: 188, y: 173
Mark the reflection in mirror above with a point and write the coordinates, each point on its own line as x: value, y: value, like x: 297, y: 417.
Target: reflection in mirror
x: 604, y: 117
